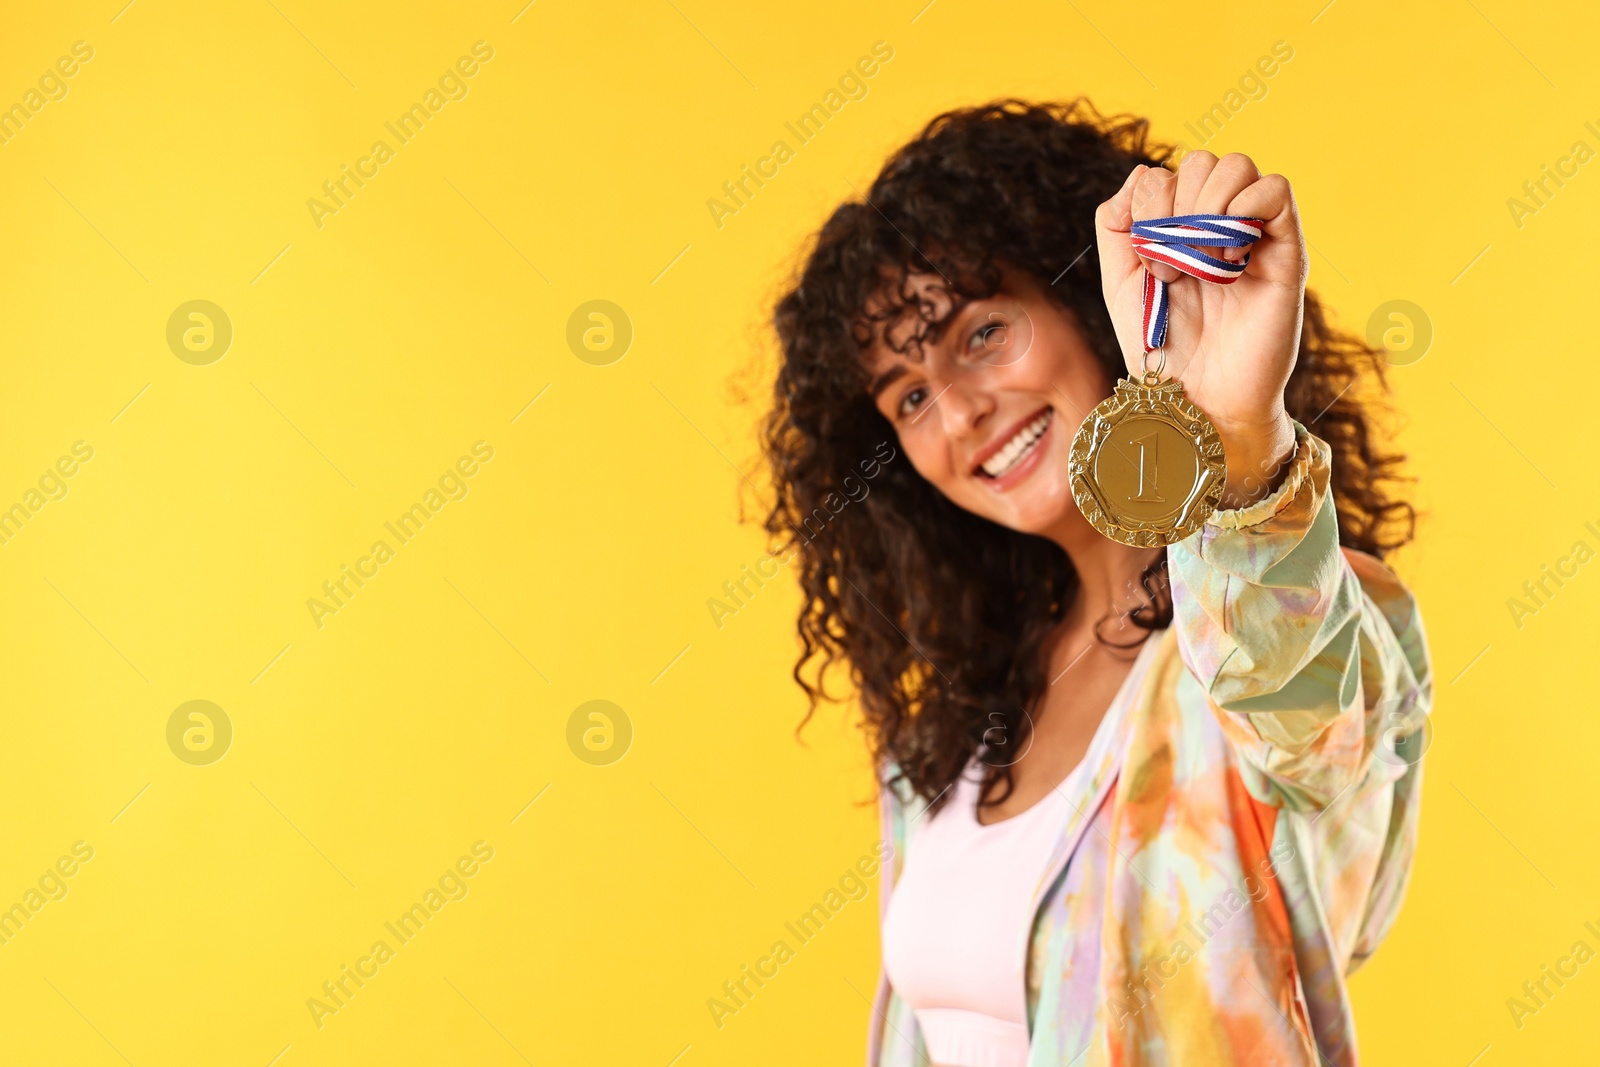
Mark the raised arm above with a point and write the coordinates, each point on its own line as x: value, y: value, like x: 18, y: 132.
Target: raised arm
x: 1314, y: 655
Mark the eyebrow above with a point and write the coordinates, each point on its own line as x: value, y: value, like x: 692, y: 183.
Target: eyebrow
x: 886, y: 379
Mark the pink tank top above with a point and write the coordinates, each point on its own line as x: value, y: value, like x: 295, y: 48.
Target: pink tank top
x: 955, y: 940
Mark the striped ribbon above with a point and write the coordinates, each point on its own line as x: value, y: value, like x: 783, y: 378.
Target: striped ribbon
x: 1169, y: 241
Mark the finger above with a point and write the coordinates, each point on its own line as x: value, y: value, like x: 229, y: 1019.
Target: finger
x: 1193, y: 172
x: 1112, y: 221
x: 1152, y: 199
x: 1232, y: 175
x: 1281, y: 255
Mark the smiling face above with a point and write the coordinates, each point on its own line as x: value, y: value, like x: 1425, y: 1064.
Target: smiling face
x: 988, y: 413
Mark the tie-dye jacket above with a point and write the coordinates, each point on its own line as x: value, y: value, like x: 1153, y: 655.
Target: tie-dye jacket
x: 1244, y: 843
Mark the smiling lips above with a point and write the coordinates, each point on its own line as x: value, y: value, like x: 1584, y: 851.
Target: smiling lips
x: 1009, y: 454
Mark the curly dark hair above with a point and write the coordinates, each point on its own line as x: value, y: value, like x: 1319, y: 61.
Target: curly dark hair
x: 942, y: 617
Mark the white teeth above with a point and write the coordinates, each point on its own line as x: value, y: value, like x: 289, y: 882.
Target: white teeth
x: 1018, y: 447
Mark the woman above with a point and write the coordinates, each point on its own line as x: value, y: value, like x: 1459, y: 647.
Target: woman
x: 1147, y: 805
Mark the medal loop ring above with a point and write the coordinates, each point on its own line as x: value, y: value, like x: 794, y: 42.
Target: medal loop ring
x: 1153, y: 377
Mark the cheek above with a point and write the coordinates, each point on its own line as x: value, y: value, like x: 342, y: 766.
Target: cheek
x: 929, y: 456
x: 1061, y: 364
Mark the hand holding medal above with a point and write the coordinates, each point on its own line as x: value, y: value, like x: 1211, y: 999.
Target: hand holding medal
x: 1209, y: 328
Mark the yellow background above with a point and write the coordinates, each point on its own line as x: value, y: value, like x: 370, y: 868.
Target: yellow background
x: 370, y: 753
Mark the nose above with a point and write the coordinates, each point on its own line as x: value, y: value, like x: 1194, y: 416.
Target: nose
x: 962, y: 408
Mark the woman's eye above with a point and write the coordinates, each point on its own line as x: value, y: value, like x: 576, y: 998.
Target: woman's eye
x: 912, y: 399
x: 988, y: 337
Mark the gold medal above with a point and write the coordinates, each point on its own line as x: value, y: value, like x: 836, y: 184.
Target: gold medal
x: 1147, y: 467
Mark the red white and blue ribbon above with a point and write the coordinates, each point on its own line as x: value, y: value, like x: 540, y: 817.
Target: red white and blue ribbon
x: 1169, y: 241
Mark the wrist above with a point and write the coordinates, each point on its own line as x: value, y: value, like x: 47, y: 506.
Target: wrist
x: 1258, y: 459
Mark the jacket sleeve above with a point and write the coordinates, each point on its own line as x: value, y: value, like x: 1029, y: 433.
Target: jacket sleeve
x: 1313, y: 656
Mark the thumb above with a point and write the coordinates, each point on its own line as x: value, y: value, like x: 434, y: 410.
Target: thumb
x: 1113, y: 223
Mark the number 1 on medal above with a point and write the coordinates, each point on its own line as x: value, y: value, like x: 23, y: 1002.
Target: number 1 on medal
x: 1154, y: 497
